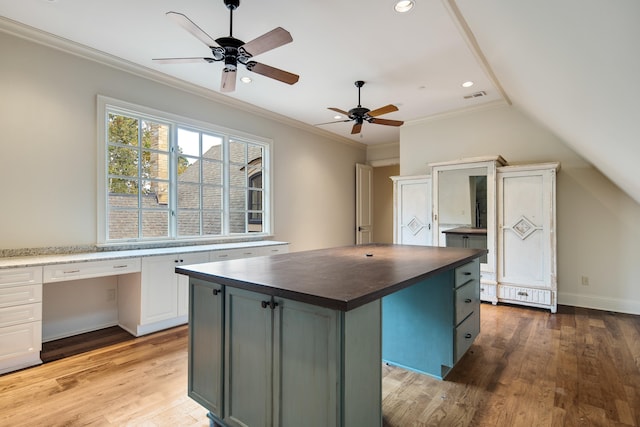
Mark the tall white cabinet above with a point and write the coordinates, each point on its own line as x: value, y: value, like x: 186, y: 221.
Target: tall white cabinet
x: 412, y: 210
x: 517, y: 213
x: 527, y: 235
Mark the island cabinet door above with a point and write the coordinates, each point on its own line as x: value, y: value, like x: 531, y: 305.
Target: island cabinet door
x: 307, y: 365
x: 205, y: 344
x: 248, y: 367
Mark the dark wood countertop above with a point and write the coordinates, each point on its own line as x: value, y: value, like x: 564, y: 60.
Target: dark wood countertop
x: 467, y: 230
x: 341, y: 278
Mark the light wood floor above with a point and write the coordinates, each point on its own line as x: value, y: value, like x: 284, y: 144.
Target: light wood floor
x: 527, y: 368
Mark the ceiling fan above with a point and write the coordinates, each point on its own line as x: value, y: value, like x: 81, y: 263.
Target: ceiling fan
x: 233, y: 51
x: 360, y: 114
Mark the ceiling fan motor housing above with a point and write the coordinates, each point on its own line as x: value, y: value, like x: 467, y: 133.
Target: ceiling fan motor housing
x: 232, y: 4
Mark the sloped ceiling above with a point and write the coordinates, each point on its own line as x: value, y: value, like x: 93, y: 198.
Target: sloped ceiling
x: 574, y: 66
x: 569, y: 64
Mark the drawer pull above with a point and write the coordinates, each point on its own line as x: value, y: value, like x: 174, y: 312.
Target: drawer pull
x: 121, y: 266
x: 481, y: 289
x: 71, y: 271
x: 523, y: 294
x: 468, y: 336
x: 223, y: 256
x: 468, y: 300
x: 467, y: 273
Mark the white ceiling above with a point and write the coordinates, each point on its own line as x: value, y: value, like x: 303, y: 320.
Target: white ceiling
x: 570, y: 64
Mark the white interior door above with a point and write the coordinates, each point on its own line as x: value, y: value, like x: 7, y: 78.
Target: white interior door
x: 364, y: 204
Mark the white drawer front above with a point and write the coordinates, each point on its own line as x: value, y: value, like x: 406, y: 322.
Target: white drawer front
x: 20, y: 295
x: 273, y: 250
x: 536, y: 296
x: 487, y: 291
x: 20, y: 314
x: 227, y: 254
x: 20, y: 276
x: 20, y: 339
x: 86, y: 270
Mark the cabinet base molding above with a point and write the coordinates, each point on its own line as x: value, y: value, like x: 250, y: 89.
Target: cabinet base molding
x: 20, y: 362
x: 149, y: 328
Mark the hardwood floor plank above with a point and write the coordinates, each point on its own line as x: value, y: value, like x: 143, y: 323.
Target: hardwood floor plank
x: 527, y: 367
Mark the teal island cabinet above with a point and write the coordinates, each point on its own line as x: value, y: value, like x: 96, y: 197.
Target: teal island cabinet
x: 298, y: 339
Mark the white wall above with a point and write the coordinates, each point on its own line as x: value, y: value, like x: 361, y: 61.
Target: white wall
x: 598, y: 224
x: 48, y: 145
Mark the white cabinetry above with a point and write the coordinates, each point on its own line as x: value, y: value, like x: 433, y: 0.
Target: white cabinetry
x: 527, y: 235
x: 20, y: 318
x: 412, y: 210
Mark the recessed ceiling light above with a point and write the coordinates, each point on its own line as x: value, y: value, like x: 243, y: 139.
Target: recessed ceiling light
x: 467, y: 84
x: 245, y: 79
x: 403, y: 6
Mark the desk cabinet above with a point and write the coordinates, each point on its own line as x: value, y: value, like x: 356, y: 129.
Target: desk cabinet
x: 20, y: 318
x: 429, y: 326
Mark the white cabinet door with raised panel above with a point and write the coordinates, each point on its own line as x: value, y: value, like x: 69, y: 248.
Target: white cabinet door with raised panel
x: 412, y: 210
x: 159, y: 288
x: 183, y: 281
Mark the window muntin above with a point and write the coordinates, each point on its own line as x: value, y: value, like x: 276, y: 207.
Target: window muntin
x: 169, y: 179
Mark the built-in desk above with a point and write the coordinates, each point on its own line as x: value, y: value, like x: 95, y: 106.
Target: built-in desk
x: 46, y: 297
x: 298, y: 339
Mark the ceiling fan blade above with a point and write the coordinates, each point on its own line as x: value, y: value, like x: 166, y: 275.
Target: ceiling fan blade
x: 386, y: 122
x: 182, y: 60
x: 271, y: 40
x: 190, y: 26
x: 356, y: 128
x: 272, y: 72
x: 337, y: 110
x: 228, y: 83
x: 336, y: 121
x: 383, y: 110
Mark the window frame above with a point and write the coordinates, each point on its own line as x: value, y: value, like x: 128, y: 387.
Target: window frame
x: 106, y: 105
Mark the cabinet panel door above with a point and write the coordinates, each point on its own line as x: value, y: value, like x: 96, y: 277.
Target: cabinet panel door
x: 206, y: 344
x: 306, y: 367
x: 525, y: 235
x: 413, y: 212
x: 159, y: 289
x: 183, y: 281
x: 248, y: 359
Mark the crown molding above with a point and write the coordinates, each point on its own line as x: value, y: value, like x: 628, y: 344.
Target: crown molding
x: 52, y: 41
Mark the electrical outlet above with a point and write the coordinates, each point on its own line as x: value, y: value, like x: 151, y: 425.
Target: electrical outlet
x: 111, y: 294
x: 585, y: 280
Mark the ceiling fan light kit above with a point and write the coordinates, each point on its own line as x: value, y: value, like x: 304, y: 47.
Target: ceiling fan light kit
x: 234, y: 51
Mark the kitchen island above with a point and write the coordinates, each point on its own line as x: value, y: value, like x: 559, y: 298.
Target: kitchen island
x: 297, y: 339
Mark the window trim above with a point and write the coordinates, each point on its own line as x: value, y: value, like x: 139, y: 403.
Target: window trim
x: 104, y: 103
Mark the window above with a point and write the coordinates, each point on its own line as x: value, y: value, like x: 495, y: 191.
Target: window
x: 167, y: 177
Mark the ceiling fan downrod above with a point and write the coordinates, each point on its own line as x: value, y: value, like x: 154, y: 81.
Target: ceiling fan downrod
x: 359, y: 84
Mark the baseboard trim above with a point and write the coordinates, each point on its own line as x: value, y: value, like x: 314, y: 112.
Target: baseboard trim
x: 599, y: 303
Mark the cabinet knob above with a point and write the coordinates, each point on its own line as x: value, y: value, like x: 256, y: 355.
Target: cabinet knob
x: 468, y: 300
x: 468, y: 336
x: 216, y: 291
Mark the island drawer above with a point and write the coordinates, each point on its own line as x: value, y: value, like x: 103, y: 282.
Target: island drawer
x: 86, y: 270
x: 20, y: 276
x: 466, y: 300
x: 466, y: 332
x: 20, y: 314
x: 19, y: 295
x: 467, y: 272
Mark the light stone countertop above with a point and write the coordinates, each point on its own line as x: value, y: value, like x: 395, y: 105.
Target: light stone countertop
x: 40, y: 260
